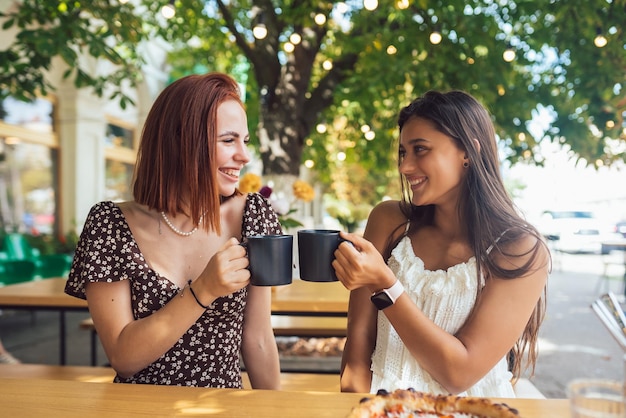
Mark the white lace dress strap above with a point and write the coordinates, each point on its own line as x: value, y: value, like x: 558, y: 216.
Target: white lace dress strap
x: 496, y: 241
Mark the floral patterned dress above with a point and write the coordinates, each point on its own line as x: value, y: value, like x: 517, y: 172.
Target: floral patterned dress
x: 208, y: 353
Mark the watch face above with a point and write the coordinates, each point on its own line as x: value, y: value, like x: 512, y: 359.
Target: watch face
x: 381, y: 300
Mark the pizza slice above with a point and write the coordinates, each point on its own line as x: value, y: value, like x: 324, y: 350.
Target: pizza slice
x: 409, y: 403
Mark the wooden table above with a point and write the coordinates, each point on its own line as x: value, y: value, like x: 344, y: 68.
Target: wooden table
x: 40, y: 294
x: 297, y: 299
x: 302, y: 298
x: 50, y: 398
x: 318, y: 382
x: 44, y: 294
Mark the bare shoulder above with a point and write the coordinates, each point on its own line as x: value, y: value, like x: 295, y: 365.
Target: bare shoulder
x: 525, y: 250
x: 234, y: 205
x: 237, y: 202
x: 388, y: 211
x: 131, y: 207
x: 231, y: 212
x: 384, y: 221
x: 134, y: 212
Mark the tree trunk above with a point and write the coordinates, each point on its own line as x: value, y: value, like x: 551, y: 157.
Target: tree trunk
x: 280, y: 144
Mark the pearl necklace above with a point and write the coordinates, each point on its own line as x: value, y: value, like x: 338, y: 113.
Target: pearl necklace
x: 178, y: 231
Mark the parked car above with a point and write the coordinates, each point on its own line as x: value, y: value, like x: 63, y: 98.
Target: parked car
x: 573, y: 231
x: 620, y: 228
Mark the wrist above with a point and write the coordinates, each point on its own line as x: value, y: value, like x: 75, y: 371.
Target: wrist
x: 195, y: 296
x: 388, y: 296
x: 388, y: 279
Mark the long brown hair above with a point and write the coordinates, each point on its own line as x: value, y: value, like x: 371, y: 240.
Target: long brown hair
x: 176, y: 170
x: 491, y: 217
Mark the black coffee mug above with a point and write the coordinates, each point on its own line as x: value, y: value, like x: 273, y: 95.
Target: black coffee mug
x: 271, y: 259
x: 316, y: 248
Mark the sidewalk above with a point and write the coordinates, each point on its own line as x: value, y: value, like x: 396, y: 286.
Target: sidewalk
x: 573, y: 341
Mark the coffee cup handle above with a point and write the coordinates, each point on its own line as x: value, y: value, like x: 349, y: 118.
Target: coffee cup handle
x: 244, y: 244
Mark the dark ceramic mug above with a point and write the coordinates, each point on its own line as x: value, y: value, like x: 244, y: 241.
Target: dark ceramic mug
x: 316, y: 252
x: 271, y: 258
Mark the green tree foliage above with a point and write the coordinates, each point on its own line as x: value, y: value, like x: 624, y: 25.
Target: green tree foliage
x: 355, y: 68
x: 74, y: 32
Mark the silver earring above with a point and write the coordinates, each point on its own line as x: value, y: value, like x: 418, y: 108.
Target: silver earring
x: 465, y: 164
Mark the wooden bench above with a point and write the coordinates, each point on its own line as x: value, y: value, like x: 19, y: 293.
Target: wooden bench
x: 283, y: 325
x: 289, y: 381
x: 87, y: 324
x: 524, y: 388
x: 309, y: 326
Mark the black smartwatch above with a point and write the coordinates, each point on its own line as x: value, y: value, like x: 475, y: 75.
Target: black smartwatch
x: 387, y: 297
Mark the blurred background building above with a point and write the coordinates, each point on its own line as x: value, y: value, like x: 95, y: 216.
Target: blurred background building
x: 67, y: 150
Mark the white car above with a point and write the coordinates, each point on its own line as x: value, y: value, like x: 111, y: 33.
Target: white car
x: 573, y: 231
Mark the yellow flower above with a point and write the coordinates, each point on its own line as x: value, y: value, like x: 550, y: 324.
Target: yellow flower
x: 250, y: 183
x: 303, y: 190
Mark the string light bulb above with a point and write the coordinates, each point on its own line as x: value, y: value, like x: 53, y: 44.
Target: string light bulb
x: 168, y: 11
x: 295, y: 38
x: 509, y: 54
x: 600, y: 40
x: 321, y: 128
x: 435, y: 37
x: 259, y: 31
x: 370, y: 4
x: 402, y: 4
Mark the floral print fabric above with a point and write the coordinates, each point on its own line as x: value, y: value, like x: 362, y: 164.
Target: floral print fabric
x: 208, y: 353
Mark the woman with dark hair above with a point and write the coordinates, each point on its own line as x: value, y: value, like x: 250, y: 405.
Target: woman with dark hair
x: 164, y: 275
x: 448, y: 281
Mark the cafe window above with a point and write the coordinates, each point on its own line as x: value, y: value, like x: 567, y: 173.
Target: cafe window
x: 28, y: 166
x: 120, y: 152
x: 35, y: 116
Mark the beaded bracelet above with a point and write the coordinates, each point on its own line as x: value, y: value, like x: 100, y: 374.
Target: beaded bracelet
x: 196, y: 297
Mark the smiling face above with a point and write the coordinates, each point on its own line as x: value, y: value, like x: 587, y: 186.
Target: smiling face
x: 431, y: 162
x: 232, y: 145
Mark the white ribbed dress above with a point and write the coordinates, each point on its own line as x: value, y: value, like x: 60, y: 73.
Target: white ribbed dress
x: 447, y: 298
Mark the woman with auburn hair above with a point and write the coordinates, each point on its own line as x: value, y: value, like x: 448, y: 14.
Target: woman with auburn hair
x: 164, y: 275
x: 450, y: 280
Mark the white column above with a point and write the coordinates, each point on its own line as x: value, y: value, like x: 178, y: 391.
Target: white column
x: 81, y: 128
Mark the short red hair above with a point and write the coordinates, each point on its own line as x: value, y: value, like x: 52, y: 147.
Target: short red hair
x: 176, y: 171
